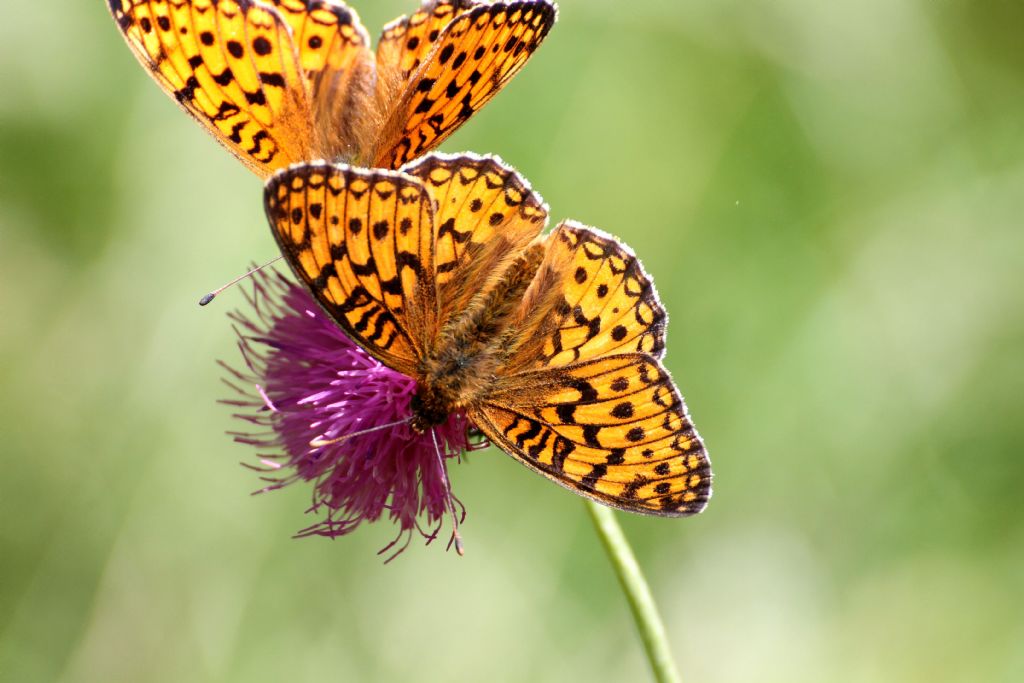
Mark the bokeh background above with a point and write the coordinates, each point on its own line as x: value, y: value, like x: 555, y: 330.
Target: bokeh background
x: 830, y: 197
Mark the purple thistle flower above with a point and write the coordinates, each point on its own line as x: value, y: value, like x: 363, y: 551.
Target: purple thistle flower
x: 314, y: 393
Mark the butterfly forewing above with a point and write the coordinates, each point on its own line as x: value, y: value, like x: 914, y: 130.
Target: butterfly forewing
x: 327, y: 35
x: 231, y: 65
x: 602, y: 302
x: 362, y: 241
x: 406, y: 41
x: 614, y: 429
x: 473, y: 57
x: 485, y: 214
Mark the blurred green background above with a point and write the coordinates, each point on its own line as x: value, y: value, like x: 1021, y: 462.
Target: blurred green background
x: 830, y: 197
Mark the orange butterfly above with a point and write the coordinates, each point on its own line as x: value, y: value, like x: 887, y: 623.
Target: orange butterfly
x: 282, y: 81
x: 552, y: 345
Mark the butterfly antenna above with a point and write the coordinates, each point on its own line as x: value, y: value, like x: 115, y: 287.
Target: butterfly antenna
x: 321, y: 442
x: 212, y: 295
x: 456, y: 538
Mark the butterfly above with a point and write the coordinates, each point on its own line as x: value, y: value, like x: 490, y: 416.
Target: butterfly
x: 551, y: 344
x: 282, y: 81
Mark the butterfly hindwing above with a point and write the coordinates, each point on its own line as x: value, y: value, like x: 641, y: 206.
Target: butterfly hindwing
x: 362, y: 241
x: 485, y: 215
x: 614, y: 429
x: 473, y: 57
x: 230, y: 64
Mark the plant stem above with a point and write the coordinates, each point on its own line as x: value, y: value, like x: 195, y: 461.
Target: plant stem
x: 634, y: 585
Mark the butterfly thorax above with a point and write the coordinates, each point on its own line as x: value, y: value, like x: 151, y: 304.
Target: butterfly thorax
x: 472, y: 347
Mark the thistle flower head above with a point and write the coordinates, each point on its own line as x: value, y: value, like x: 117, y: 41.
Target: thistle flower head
x: 321, y: 409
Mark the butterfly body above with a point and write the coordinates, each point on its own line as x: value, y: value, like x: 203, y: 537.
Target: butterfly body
x: 467, y: 355
x: 551, y: 344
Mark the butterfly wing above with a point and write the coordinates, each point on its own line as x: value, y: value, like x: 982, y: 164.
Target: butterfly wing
x: 597, y: 300
x: 324, y: 31
x: 439, y: 66
x: 334, y: 51
x: 584, y: 398
x: 613, y: 429
x: 362, y: 241
x: 486, y: 214
x: 406, y: 41
x: 232, y: 66
x: 328, y: 36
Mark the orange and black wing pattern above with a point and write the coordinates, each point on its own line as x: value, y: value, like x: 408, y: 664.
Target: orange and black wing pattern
x: 486, y: 214
x: 451, y: 76
x: 614, y: 429
x: 583, y: 397
x: 232, y: 65
x: 282, y: 81
x: 326, y: 33
x: 334, y: 51
x: 601, y: 302
x: 407, y: 41
x: 362, y: 241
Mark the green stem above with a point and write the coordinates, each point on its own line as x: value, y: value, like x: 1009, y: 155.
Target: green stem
x: 634, y: 585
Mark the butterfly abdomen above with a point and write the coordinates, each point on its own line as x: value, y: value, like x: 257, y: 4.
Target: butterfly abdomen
x: 469, y: 350
x: 489, y: 313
